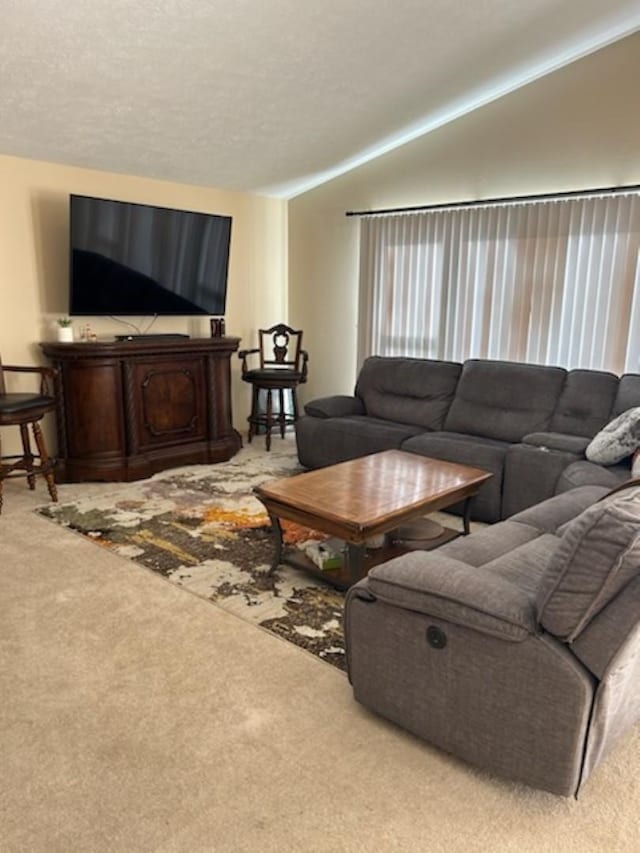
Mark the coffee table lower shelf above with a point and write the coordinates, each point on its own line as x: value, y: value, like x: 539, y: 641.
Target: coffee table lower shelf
x: 359, y: 559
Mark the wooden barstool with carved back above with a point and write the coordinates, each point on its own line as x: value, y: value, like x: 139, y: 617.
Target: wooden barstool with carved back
x: 24, y: 410
x: 282, y: 367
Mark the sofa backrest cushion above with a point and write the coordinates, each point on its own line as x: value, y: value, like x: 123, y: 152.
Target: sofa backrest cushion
x: 415, y: 391
x: 597, y: 556
x: 585, y: 403
x: 628, y: 396
x: 504, y: 399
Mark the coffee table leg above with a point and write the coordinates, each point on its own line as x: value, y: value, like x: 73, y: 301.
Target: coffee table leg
x: 355, y: 555
x: 466, y: 518
x: 276, y: 527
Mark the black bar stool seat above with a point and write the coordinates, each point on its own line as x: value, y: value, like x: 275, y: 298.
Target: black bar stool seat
x: 26, y: 410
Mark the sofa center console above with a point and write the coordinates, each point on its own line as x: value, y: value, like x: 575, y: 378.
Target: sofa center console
x: 128, y: 409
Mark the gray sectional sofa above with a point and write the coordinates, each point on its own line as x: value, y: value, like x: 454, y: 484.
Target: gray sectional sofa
x: 527, y: 424
x: 516, y: 648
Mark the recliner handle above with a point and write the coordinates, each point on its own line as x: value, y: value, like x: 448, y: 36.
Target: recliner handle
x: 365, y: 595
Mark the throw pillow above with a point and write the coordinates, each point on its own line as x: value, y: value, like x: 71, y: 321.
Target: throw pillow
x: 618, y: 439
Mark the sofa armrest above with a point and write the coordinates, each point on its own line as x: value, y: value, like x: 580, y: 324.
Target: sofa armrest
x: 338, y: 406
x: 558, y: 441
x: 449, y: 589
x: 531, y: 475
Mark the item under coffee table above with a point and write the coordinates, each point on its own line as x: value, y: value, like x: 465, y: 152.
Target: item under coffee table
x: 357, y: 500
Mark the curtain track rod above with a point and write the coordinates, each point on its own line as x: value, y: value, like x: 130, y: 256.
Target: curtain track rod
x: 453, y: 205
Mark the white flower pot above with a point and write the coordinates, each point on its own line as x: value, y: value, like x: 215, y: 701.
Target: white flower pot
x: 65, y: 334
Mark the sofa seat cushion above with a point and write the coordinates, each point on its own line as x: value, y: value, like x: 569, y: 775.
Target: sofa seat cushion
x: 489, y: 543
x: 518, y: 552
x: 485, y: 453
x: 408, y: 390
x: 504, y: 400
x: 550, y: 515
x: 583, y: 473
x: 526, y: 564
x: 598, y: 555
x: 351, y: 437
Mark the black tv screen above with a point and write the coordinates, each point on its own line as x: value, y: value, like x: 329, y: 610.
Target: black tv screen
x: 137, y: 260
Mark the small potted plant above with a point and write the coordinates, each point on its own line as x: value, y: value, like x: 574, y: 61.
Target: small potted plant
x: 65, y: 329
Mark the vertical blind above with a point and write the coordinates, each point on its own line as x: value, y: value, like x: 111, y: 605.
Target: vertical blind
x: 548, y: 282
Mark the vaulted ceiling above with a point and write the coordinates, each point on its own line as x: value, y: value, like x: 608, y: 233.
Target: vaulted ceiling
x: 271, y: 96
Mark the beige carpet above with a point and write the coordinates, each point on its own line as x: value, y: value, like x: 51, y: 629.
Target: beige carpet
x: 137, y: 717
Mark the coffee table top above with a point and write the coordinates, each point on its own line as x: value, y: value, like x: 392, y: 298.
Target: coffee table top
x: 371, y: 494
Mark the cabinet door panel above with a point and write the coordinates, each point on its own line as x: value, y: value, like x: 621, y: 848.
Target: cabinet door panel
x: 171, y: 398
x: 93, y: 409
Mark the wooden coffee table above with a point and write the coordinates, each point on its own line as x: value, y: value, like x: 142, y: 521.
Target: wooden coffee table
x: 363, y: 498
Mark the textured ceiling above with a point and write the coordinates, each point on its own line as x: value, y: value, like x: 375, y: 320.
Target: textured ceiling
x: 268, y: 96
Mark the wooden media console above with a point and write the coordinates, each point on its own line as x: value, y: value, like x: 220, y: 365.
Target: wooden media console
x: 128, y: 409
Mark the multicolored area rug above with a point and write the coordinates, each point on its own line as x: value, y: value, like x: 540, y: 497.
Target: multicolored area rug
x: 202, y: 529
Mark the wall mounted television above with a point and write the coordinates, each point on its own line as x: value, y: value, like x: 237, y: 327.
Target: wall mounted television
x: 131, y: 259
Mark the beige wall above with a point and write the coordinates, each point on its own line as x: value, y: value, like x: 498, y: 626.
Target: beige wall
x: 34, y: 237
x: 576, y: 128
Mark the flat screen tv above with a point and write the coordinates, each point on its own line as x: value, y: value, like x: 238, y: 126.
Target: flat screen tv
x: 139, y: 260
